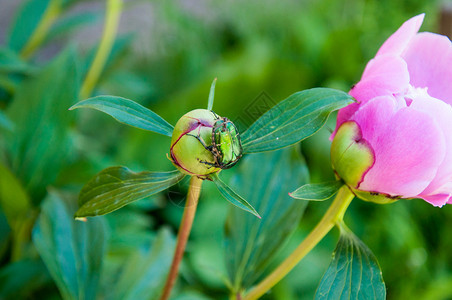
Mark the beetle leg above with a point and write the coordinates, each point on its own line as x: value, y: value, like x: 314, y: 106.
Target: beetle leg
x: 209, y: 148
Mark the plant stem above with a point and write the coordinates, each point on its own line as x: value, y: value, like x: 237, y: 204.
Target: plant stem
x: 106, y: 44
x: 48, y: 18
x: 184, y: 231
x: 334, y: 214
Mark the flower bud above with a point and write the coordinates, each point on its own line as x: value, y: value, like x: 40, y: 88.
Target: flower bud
x: 352, y: 157
x: 395, y: 141
x: 204, y: 143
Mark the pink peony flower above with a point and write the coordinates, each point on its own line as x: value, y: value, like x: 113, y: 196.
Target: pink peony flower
x: 401, y: 125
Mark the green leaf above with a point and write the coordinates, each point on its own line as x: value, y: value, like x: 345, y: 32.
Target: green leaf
x: 144, y: 273
x: 354, y: 272
x: 11, y: 62
x: 317, y: 191
x: 41, y: 143
x: 73, y: 251
x: 263, y: 179
x: 293, y: 119
x: 211, y: 95
x: 14, y: 200
x: 20, y: 279
x: 26, y: 21
x: 5, y: 122
x: 115, y: 187
x: 66, y: 26
x: 128, y: 112
x: 232, y: 196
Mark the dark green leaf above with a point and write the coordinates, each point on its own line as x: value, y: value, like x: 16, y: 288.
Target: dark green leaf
x: 41, y: 143
x: 232, y: 196
x: 293, y: 119
x: 354, y: 272
x: 128, y: 112
x: 143, y: 274
x: 14, y: 200
x: 18, y: 280
x: 317, y: 191
x: 73, y: 251
x: 264, y: 180
x: 115, y: 187
x: 25, y: 23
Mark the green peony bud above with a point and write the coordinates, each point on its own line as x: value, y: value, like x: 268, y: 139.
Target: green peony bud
x: 352, y: 157
x: 204, y: 143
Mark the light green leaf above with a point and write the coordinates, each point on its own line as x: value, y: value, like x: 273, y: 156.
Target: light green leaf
x: 144, y: 273
x: 41, y: 142
x: 293, y: 119
x: 5, y: 122
x: 354, y: 272
x: 67, y: 25
x: 211, y: 95
x: 117, y: 186
x: 128, y: 112
x: 14, y: 200
x: 264, y: 180
x: 73, y: 251
x: 11, y: 62
x: 317, y: 191
x: 232, y: 196
x: 26, y: 21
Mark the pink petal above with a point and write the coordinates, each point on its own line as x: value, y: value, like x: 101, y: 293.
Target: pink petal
x: 442, y: 113
x: 409, y: 147
x: 385, y: 74
x: 429, y: 59
x: 398, y: 41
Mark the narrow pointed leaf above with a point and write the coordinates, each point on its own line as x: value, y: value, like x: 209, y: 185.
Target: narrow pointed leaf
x: 293, y: 119
x: 354, y: 272
x: 128, y: 112
x: 317, y: 191
x: 117, y: 186
x: 211, y: 95
x: 232, y: 196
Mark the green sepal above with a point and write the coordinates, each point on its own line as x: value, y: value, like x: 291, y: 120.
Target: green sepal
x: 317, y: 191
x: 351, y: 155
x: 232, y: 196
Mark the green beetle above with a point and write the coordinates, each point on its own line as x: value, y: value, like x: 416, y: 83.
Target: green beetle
x: 226, y: 146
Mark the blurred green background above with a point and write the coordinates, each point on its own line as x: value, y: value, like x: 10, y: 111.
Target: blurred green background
x: 165, y: 56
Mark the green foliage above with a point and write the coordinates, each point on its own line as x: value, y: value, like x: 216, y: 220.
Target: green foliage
x: 5, y: 123
x: 115, y: 187
x: 26, y: 21
x: 293, y: 119
x: 317, y: 191
x: 143, y: 273
x: 251, y: 244
x: 232, y: 196
x: 73, y: 251
x: 128, y: 112
x: 354, y: 272
x: 14, y: 200
x: 41, y: 144
x: 11, y: 62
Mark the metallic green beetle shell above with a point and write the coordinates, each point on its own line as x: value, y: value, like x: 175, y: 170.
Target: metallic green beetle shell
x: 226, y: 146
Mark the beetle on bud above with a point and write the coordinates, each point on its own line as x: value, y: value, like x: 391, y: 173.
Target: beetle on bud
x: 204, y: 143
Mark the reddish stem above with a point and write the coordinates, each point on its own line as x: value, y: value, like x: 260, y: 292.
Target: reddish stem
x: 184, y: 232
